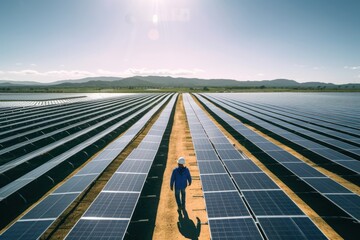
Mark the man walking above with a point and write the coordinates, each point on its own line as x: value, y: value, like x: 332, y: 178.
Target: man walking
x: 180, y: 177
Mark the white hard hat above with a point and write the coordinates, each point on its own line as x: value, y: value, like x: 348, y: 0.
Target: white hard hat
x: 181, y: 160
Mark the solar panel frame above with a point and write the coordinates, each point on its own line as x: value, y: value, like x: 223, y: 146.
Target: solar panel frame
x: 99, y: 229
x: 253, y: 181
x: 51, y: 207
x: 24, y: 230
x: 207, y: 167
x: 232, y: 154
x: 206, y: 155
x: 271, y: 202
x: 76, y: 184
x: 225, y: 204
x: 245, y: 165
x: 216, y: 182
x: 234, y: 228
x: 302, y: 170
x: 290, y: 228
x: 138, y: 166
x: 141, y: 154
x: 326, y: 185
x: 349, y: 202
x: 128, y: 182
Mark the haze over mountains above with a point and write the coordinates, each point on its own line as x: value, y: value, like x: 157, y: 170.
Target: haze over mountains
x: 170, y: 82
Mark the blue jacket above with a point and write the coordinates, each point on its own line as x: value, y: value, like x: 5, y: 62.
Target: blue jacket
x: 180, y: 176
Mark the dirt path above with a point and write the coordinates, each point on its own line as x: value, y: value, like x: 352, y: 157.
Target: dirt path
x: 169, y: 224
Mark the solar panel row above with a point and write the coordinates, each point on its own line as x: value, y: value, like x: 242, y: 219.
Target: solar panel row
x: 340, y: 123
x: 331, y: 138
x: 32, y: 146
x: 321, y: 125
x: 224, y: 205
x: 319, y: 182
x: 110, y: 213
x: 49, y: 209
x: 21, y: 182
x: 322, y: 152
x: 261, y: 194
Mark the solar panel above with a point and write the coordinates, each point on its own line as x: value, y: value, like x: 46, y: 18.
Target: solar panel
x: 283, y: 156
x: 326, y: 185
x: 332, y: 154
x: 351, y: 164
x: 225, y: 204
x: 236, y: 228
x: 108, y: 154
x: 207, y: 167
x: 152, y: 138
x: 93, y: 167
x: 26, y: 230
x: 51, y: 207
x: 201, y: 141
x: 267, y: 203
x: 303, y: 170
x: 76, y: 183
x: 113, y: 205
x: 290, y: 228
x: 99, y: 229
x: 217, y: 182
x: 349, y: 202
x: 268, y: 146
x: 229, y: 154
x: 202, y: 147
x: 141, y: 154
x: 135, y: 166
x: 156, y: 132
x: 247, y: 181
x: 218, y: 140
x: 149, y: 145
x: 125, y: 182
x: 242, y: 166
x: 256, y: 138
x: 206, y: 155
x: 223, y: 146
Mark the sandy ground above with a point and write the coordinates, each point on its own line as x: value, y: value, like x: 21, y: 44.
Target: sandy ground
x: 319, y: 222
x: 169, y: 224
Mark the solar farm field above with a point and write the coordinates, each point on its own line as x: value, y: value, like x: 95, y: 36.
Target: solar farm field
x: 96, y: 166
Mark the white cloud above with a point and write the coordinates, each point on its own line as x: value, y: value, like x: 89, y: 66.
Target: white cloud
x: 25, y: 72
x: 163, y: 72
x: 103, y: 72
x: 352, y: 68
x: 60, y: 73
x: 33, y: 65
x: 31, y: 74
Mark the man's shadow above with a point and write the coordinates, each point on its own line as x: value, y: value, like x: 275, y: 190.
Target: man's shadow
x: 187, y: 227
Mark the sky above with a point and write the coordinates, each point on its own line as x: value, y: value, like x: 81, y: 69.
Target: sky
x: 303, y: 40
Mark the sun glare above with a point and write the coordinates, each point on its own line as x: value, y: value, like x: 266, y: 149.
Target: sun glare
x: 155, y: 19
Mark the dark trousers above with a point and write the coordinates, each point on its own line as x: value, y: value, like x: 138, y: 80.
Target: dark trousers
x: 180, y: 195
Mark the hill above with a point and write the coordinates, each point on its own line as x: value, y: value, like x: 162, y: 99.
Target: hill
x: 171, y: 82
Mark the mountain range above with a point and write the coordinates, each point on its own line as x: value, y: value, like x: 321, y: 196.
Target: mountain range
x: 170, y: 82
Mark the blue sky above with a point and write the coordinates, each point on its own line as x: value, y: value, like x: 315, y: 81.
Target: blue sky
x: 304, y: 40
